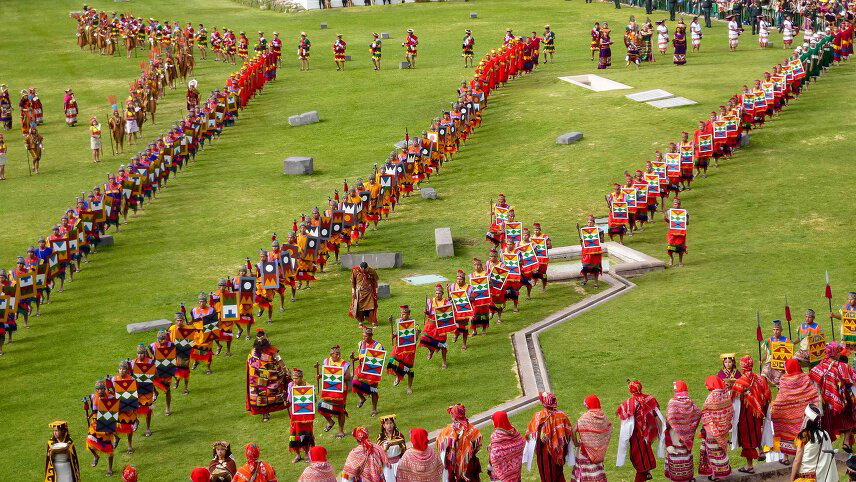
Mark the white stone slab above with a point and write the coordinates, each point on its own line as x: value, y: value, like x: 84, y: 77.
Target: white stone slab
x: 649, y: 95
x: 425, y: 279
x: 594, y: 82
x: 443, y: 242
x: 673, y: 102
x: 144, y: 326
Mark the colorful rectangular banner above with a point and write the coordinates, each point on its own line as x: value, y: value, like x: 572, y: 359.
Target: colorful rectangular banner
x: 444, y: 319
x: 677, y: 219
x: 302, y: 403
x: 332, y: 381
x: 406, y: 333
x: 373, y: 363
x: 780, y: 352
x: 479, y: 290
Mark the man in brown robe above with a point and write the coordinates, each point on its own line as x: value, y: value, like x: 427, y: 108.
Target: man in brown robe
x: 363, y: 294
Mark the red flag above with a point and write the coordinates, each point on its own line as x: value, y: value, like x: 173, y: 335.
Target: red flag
x: 184, y: 311
x: 406, y: 138
x: 345, y: 187
x: 828, y: 293
x: 758, y: 334
x: 788, y: 313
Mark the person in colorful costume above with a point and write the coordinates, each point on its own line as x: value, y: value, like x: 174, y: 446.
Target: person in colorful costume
x: 375, y: 50
x: 767, y: 371
x: 549, y: 43
x: 182, y: 336
x: 641, y: 423
x: 266, y: 378
x: 806, y: 329
x: 753, y: 393
x: 319, y: 469
x: 796, y: 392
x: 339, y: 47
x: 419, y: 463
x: 303, y: 46
x: 364, y: 294
x: 222, y: 466
x: 676, y: 239
x: 335, y: 405
x: 301, y: 437
x: 815, y: 459
x: 467, y: 46
x: 431, y: 339
x: 682, y: 416
x: 410, y: 48
x: 392, y: 442
x: 847, y: 315
x: 254, y: 470
x: 835, y: 379
x: 144, y: 370
x: 548, y: 439
x: 458, y: 444
x: 505, y: 451
x: 717, y: 416
x: 366, y: 461
x: 125, y: 389
x: 402, y: 358
x: 204, y: 319
x: 102, y: 434
x: 591, y: 434
x: 61, y: 464
x: 361, y: 385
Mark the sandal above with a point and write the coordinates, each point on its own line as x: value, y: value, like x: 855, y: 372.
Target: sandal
x: 746, y: 470
x: 329, y: 427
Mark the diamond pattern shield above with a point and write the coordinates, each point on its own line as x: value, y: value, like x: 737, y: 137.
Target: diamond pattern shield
x: 479, y: 290
x: 460, y: 303
x: 373, y: 363
x: 498, y: 276
x: 678, y: 219
x: 406, y: 333
x: 444, y: 318
x: 332, y: 381
x: 302, y: 403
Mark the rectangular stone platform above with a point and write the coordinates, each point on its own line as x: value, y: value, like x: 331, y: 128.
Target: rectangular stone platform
x: 594, y: 82
x: 670, y: 103
x: 375, y: 260
x: 649, y: 95
x: 425, y: 279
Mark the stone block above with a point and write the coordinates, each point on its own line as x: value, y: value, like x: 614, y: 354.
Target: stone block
x: 323, y: 25
x: 649, y: 95
x: 310, y: 117
x: 303, y: 119
x: 347, y: 58
x: 744, y: 139
x: 428, y: 193
x: 443, y: 242
x: 404, y: 65
x: 383, y: 291
x: 375, y: 260
x: 569, y: 138
x: 384, y: 35
x: 400, y: 145
x: 144, y: 326
x: 105, y: 241
x: 670, y: 103
x: 297, y: 166
x: 474, y: 15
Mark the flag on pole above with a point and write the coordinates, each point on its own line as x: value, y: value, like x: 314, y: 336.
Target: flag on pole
x: 828, y: 293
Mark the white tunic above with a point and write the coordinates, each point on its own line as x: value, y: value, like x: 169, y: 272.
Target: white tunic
x: 733, y: 31
x: 787, y: 30
x: 695, y: 31
x: 662, y: 36
x: 763, y: 30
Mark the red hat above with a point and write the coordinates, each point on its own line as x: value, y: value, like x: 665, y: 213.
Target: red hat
x: 592, y: 402
x: 438, y: 285
x: 419, y: 438
x: 792, y: 367
x: 200, y: 474
x: 680, y: 386
x: 252, y: 452
x: 317, y: 454
x: 500, y: 420
x: 460, y: 271
x: 712, y: 382
x: 548, y: 400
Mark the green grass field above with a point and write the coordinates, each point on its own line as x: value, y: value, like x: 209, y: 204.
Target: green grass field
x: 766, y: 224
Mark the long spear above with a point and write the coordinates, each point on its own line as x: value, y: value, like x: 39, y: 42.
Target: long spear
x: 828, y: 294
x: 760, y: 337
x: 788, y: 317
